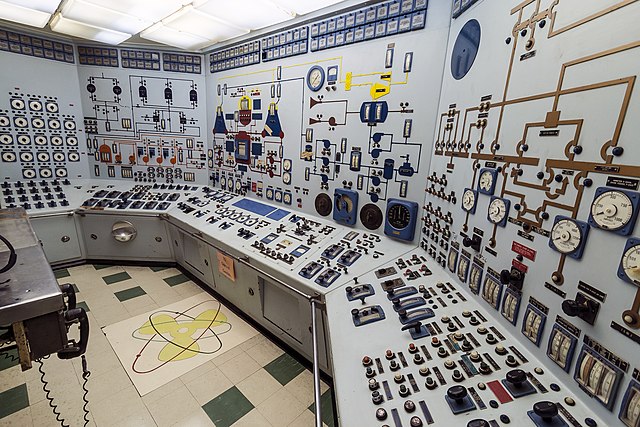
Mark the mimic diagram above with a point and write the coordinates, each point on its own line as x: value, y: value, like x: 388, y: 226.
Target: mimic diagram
x: 350, y: 141
x: 145, y: 128
x: 551, y: 162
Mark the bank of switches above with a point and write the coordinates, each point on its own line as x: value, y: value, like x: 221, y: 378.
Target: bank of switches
x: 35, y: 194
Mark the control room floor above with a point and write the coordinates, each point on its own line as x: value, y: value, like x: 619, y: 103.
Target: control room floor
x: 256, y: 383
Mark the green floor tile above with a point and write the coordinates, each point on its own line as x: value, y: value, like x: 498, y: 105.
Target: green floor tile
x: 158, y: 268
x: 8, y: 359
x: 326, y: 406
x: 176, y: 280
x: 101, y: 266
x: 61, y: 273
x: 13, y: 400
x: 83, y: 305
x: 228, y: 407
x: 115, y: 278
x: 284, y: 368
x: 130, y: 293
x: 75, y: 288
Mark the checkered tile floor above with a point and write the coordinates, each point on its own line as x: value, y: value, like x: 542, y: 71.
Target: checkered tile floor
x: 254, y: 384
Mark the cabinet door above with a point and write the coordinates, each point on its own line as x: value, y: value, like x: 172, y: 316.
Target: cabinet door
x: 59, y: 237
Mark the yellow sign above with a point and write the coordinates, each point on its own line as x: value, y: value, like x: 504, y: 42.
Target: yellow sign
x: 378, y: 90
x: 225, y: 266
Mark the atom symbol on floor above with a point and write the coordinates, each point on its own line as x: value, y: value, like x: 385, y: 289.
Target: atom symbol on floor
x: 181, y: 333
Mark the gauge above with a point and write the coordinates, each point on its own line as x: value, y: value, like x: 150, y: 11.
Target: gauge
x: 223, y: 182
x: 230, y: 184
x: 629, y: 269
x: 398, y: 216
x: 487, y: 181
x: 371, y: 216
x: 475, y: 278
x: 286, y: 198
x: 469, y: 200
x: 568, y: 236
x: 286, y: 165
x: 270, y: 193
x: 346, y: 205
x: 315, y: 78
x: 614, y: 210
x: 238, y: 185
x: 323, y: 204
x: 498, y: 211
x: 452, y: 260
x: 286, y: 178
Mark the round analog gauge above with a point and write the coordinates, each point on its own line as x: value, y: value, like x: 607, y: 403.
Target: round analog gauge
x: 344, y: 203
x: 230, y: 184
x: 287, y: 198
x: 398, y: 216
x: 286, y: 178
x: 270, y: 193
x: 286, y: 165
x: 566, y: 236
x: 486, y: 180
x: 315, y: 78
x: 612, y: 210
x: 631, y: 263
x: 468, y: 200
x: 223, y: 182
x: 497, y: 210
x: 238, y: 185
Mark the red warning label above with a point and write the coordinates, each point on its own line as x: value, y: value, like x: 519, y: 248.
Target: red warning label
x: 521, y: 249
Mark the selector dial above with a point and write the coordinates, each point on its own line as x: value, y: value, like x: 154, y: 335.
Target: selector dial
x: 612, y: 210
x: 566, y: 236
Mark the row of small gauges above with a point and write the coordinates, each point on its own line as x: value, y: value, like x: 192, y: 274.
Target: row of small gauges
x: 139, y: 197
x: 35, y: 195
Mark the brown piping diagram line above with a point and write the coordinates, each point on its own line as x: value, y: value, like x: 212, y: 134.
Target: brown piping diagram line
x: 633, y: 313
x: 626, y: 170
x: 613, y: 8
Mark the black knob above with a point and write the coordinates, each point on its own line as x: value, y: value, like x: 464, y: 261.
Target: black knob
x: 545, y: 410
x: 477, y: 423
x: 516, y: 377
x: 505, y: 276
x: 577, y: 149
x: 572, y: 308
x: 617, y: 151
x: 457, y: 393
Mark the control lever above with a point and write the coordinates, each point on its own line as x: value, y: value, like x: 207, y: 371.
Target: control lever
x: 582, y: 307
x: 416, y: 329
x: 513, y: 277
x: 473, y: 242
x: 79, y: 348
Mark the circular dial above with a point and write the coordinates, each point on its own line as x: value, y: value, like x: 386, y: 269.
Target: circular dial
x: 468, y: 200
x: 323, y: 204
x: 566, y: 236
x: 344, y: 203
x: 286, y: 165
x: 497, y: 210
x: 631, y: 263
x: 486, y: 180
x: 398, y: 216
x: 612, y: 210
x: 286, y: 178
x: 238, y: 185
x: 223, y: 182
x: 315, y: 78
x: 230, y: 184
x: 371, y: 216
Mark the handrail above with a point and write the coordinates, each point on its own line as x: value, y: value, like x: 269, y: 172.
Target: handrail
x: 312, y: 299
x: 51, y: 214
x: 84, y: 212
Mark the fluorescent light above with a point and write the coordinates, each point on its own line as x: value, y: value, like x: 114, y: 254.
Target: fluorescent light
x: 302, y: 7
x: 198, y: 23
x: 48, y: 6
x: 61, y: 24
x: 172, y: 37
x: 148, y: 10
x: 83, y: 11
x: 253, y: 14
x: 23, y: 15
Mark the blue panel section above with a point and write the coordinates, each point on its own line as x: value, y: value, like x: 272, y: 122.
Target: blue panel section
x: 243, y: 168
x: 257, y: 104
x: 278, y: 215
x: 465, y: 49
x: 256, y: 149
x: 255, y: 207
x: 256, y: 116
x: 229, y: 146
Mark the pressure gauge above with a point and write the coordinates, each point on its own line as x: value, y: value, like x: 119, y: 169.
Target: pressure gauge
x: 315, y: 78
x: 629, y: 269
x: 286, y: 178
x: 568, y: 236
x: 614, y: 210
x: 230, y: 184
x: 498, y: 211
x: 223, y: 182
x: 286, y: 165
x: 238, y: 185
x: 487, y: 181
x: 469, y: 200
